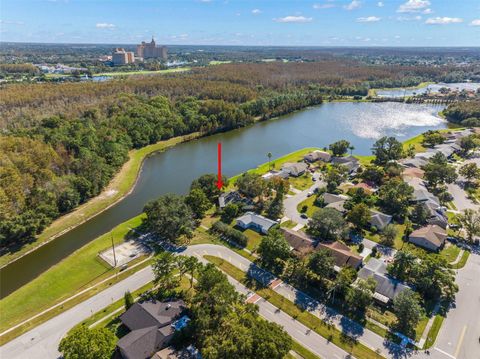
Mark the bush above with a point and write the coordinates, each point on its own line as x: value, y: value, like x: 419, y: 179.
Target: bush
x: 361, y: 247
x: 304, y: 208
x: 230, y: 233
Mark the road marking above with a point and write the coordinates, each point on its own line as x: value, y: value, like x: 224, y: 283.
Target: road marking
x: 444, y: 352
x: 459, y: 345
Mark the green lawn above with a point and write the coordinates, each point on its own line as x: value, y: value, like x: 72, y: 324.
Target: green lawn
x: 398, y: 244
x: 302, y: 182
x: 276, y: 163
x: 329, y: 332
x: 77, y: 272
x: 309, y: 203
x: 433, y: 332
x: 254, y: 239
x: 462, y: 261
x: 288, y: 224
x: 365, y: 160
x: 450, y: 252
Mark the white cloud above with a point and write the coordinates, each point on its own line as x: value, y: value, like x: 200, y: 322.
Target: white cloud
x: 409, y: 18
x: 368, y: 19
x: 414, y: 6
x: 355, y: 4
x: 427, y: 11
x: 380, y: 4
x: 443, y: 20
x: 475, y: 22
x: 323, y: 6
x: 256, y: 11
x: 293, y: 19
x: 104, y: 25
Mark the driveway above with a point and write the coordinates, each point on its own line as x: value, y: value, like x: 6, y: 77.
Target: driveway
x: 291, y: 203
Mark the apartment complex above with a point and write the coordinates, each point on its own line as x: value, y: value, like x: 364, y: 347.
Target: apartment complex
x: 151, y: 50
x: 122, y: 57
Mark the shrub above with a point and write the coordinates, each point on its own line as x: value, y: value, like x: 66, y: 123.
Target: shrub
x: 230, y: 233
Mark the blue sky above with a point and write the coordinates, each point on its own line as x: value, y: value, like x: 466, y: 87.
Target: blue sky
x: 244, y: 22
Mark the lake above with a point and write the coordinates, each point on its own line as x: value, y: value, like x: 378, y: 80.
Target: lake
x: 172, y: 171
x: 401, y: 92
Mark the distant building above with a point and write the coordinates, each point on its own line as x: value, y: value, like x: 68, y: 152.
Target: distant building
x: 151, y: 50
x: 122, y: 57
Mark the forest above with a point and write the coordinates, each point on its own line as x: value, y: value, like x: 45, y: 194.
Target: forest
x: 466, y: 113
x: 61, y: 143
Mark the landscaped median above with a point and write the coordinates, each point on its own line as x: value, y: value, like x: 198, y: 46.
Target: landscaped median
x: 329, y: 332
x: 118, y: 188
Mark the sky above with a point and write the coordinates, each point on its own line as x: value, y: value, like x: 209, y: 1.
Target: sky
x: 244, y: 22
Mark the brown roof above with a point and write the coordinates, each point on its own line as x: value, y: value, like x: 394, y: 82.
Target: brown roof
x: 365, y: 186
x: 431, y: 233
x: 342, y: 254
x: 298, y: 240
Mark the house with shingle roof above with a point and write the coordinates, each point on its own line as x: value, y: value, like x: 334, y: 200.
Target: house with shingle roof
x: 255, y: 221
x: 431, y: 237
x: 295, y: 169
x: 299, y: 241
x: 152, y: 325
x: 350, y: 162
x: 342, y: 254
x: 318, y: 156
x: 379, y: 220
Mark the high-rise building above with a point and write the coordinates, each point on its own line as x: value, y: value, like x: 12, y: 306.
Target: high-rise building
x: 151, y: 50
x: 122, y: 57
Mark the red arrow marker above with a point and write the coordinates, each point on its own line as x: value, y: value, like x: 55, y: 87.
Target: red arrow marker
x: 219, y: 179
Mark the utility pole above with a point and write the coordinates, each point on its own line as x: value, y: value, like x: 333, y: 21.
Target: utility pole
x: 113, y: 249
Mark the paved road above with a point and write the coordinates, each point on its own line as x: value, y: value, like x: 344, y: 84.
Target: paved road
x: 292, y: 202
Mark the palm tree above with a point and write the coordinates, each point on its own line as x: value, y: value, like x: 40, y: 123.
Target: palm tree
x: 269, y: 155
x: 192, y: 265
x: 351, y: 148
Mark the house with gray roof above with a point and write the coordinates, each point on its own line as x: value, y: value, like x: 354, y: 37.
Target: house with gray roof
x: 152, y: 325
x: 431, y: 237
x: 379, y: 220
x: 236, y: 198
x: 414, y: 162
x: 436, y: 214
x: 256, y: 222
x: 318, y: 156
x: 295, y: 169
x: 387, y: 288
x: 350, y: 162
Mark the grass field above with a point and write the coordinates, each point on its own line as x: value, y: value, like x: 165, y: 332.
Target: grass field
x: 75, y: 273
x: 432, y: 334
x: 355, y: 348
x: 119, y: 186
x: 311, y: 208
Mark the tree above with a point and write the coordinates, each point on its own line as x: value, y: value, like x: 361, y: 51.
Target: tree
x: 432, y: 138
x: 438, y: 171
x: 373, y: 174
x: 335, y: 175
x: 269, y: 155
x: 192, y: 265
x: 170, y: 218
x: 469, y: 143
x: 128, y: 299
x: 434, y: 278
x: 198, y: 202
x: 321, y: 263
x: 163, y: 268
x: 394, y: 197
x: 273, y: 250
x: 387, y: 149
x: 359, y: 215
x: 351, y: 148
x: 342, y: 282
x: 469, y: 220
x: 208, y: 184
x: 327, y: 224
x: 275, y: 207
x: 407, y: 308
x: 85, y: 343
x: 388, y: 235
x: 402, y: 266
x: 229, y: 212
x: 420, y: 214
x: 339, y: 148
x: 360, y: 295
x: 250, y: 184
x: 470, y: 171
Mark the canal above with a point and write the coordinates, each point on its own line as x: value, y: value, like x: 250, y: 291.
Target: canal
x: 172, y: 171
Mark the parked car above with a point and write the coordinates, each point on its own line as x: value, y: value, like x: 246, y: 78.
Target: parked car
x: 123, y: 267
x: 310, y: 194
x: 304, y: 216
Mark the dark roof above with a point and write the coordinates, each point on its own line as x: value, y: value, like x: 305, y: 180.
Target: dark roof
x: 342, y: 254
x: 386, y: 285
x: 298, y: 240
x: 379, y: 219
x: 140, y: 343
x: 152, y: 313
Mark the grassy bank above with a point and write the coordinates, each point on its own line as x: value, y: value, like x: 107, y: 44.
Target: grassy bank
x: 118, y: 188
x: 329, y: 332
x: 75, y: 273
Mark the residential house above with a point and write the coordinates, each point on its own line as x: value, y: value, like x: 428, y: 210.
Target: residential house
x: 342, y: 254
x: 152, y: 325
x: 271, y: 174
x: 318, y: 156
x: 367, y: 188
x: 350, y: 162
x: 189, y: 352
x: 256, y: 222
x: 431, y: 237
x: 295, y: 169
x: 379, y: 220
x: 436, y: 214
x: 413, y: 162
x: 335, y: 201
x: 235, y: 197
x: 299, y: 241
x: 413, y: 172
x: 387, y: 288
